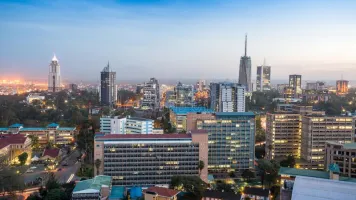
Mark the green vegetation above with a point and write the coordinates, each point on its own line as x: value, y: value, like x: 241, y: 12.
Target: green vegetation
x: 10, y: 181
x: 35, y: 145
x: 193, y: 185
x: 23, y: 158
x: 247, y: 175
x: 262, y: 101
x: 97, y: 165
x: 268, y: 171
x: 224, y: 187
x: 289, y: 162
x: 201, y: 165
x: 260, y: 132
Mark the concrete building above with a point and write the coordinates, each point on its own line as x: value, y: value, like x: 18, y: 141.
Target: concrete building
x: 108, y: 87
x: 344, y: 155
x: 184, y: 95
x: 151, y: 95
x: 317, y: 130
x: 54, y: 76
x: 11, y: 146
x: 178, y: 116
x: 105, y: 124
x: 192, y: 119
x: 227, y: 97
x: 245, y: 70
x: 283, y: 135
x: 34, y: 96
x: 342, y: 87
x: 318, y: 85
x: 93, y: 189
x: 53, y: 133
x: 231, y: 141
x: 151, y: 159
x: 316, y: 96
x: 263, y: 78
x: 129, y: 125
x: 295, y: 82
x: 117, y: 125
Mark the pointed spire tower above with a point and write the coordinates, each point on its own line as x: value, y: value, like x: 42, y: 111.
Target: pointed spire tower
x: 54, y: 76
x: 245, y: 44
x: 245, y: 70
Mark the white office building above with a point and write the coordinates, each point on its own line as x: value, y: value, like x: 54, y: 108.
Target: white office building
x: 227, y: 97
x: 137, y: 125
x: 117, y: 125
x: 105, y: 124
x: 128, y: 125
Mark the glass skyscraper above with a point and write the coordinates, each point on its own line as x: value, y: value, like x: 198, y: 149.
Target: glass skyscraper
x: 245, y: 70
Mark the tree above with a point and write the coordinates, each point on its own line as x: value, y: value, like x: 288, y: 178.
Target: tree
x: 193, y: 185
x: 289, y: 162
x: 33, y: 197
x: 232, y: 174
x: 269, y: 171
x: 34, y: 142
x: 56, y: 194
x: 52, y: 182
x: 23, y: 158
x: 201, y: 166
x: 97, y: 165
x: 224, y: 187
x: 248, y: 175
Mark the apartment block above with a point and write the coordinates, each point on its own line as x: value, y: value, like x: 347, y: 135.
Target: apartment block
x: 342, y: 154
x: 283, y: 135
x: 317, y: 130
x: 151, y: 159
x: 231, y: 141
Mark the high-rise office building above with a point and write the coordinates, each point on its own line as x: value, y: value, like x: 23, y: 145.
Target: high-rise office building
x: 316, y: 130
x: 263, y: 79
x: 184, y: 95
x: 245, y: 70
x: 148, y: 160
x: 54, y: 76
x: 295, y: 82
x: 108, y: 88
x: 227, y: 97
x: 151, y: 95
x: 231, y: 141
x: 342, y: 154
x: 342, y: 87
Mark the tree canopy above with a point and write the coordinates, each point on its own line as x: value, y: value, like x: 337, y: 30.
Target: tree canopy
x: 191, y: 184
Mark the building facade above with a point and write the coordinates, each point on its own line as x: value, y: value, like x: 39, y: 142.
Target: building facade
x: 263, y: 78
x: 231, y: 141
x: 108, y: 88
x: 316, y: 130
x: 178, y: 116
x: 295, y: 82
x: 342, y: 87
x: 54, y: 76
x: 148, y: 160
x: 151, y: 95
x: 283, y: 135
x: 344, y: 155
x: 34, y: 96
x: 227, y: 97
x: 129, y: 125
x: 184, y: 95
x: 11, y: 146
x: 245, y: 70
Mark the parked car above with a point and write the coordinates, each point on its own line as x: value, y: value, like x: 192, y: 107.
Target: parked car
x: 29, y: 171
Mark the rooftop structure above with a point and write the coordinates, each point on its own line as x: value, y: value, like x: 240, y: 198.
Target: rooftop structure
x: 92, y: 188
x: 160, y: 193
x: 344, y: 155
x: 178, y: 115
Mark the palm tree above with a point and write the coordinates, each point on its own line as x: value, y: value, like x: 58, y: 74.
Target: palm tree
x: 97, y: 165
x: 201, y: 166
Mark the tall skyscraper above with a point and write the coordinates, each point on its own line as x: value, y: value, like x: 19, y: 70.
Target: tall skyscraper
x: 263, y: 78
x: 342, y: 87
x: 108, y: 88
x: 151, y: 95
x: 227, y: 97
x: 295, y: 82
x: 245, y: 70
x: 54, y: 76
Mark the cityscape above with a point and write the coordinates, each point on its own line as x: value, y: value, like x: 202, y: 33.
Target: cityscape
x: 252, y: 131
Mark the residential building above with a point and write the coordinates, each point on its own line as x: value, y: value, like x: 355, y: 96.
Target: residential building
x: 318, y: 85
x: 200, y: 85
x: 263, y: 78
x: 108, y: 87
x: 53, y: 132
x: 227, y: 97
x: 92, y: 189
x: 342, y: 87
x: 178, y: 116
x: 54, y: 76
x: 295, y: 82
x: 73, y: 87
x: 34, y: 96
x: 301, y: 184
x: 245, y: 70
x: 160, y: 193
x: 11, y: 146
x: 151, y: 159
x: 53, y: 155
x: 280, y: 88
x: 316, y: 96
x: 184, y: 95
x: 316, y: 130
x: 344, y: 155
x: 151, y: 95
x: 129, y: 125
x: 255, y: 193
x: 231, y: 141
x: 283, y: 135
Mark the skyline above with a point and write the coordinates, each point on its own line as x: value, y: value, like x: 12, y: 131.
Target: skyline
x: 170, y: 39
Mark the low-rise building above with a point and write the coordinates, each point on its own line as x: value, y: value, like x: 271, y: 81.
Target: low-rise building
x: 255, y: 193
x: 92, y: 189
x: 160, y: 193
x: 151, y: 159
x: 342, y: 154
x: 53, y: 155
x: 12, y: 145
x: 129, y: 125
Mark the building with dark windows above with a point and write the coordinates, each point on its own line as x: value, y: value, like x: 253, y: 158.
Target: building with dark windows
x: 295, y: 83
x: 344, y: 155
x: 151, y: 159
x: 184, y: 95
x: 108, y: 88
x: 231, y: 141
x: 93, y: 189
x: 151, y: 95
x: 227, y: 97
x: 263, y: 78
x: 54, y: 76
x: 245, y: 70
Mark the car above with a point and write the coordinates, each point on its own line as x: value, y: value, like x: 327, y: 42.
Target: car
x: 65, y: 164
x: 29, y: 171
x: 34, y: 167
x: 59, y: 169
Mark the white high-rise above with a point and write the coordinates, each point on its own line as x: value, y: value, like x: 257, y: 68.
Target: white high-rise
x: 227, y: 97
x: 54, y: 76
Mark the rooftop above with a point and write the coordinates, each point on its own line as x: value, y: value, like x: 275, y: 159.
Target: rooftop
x: 51, y: 152
x: 145, y: 136
x: 139, y: 119
x: 92, y: 185
x: 256, y: 191
x: 66, y: 128
x: 117, y: 192
x: 221, y: 195
x: 160, y: 191
x: 235, y: 114
x: 52, y: 125
x: 16, y: 125
x: 33, y: 129
x: 185, y: 110
x: 11, y: 139
x: 345, y: 146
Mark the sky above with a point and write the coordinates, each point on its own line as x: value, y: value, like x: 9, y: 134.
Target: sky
x: 177, y: 39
